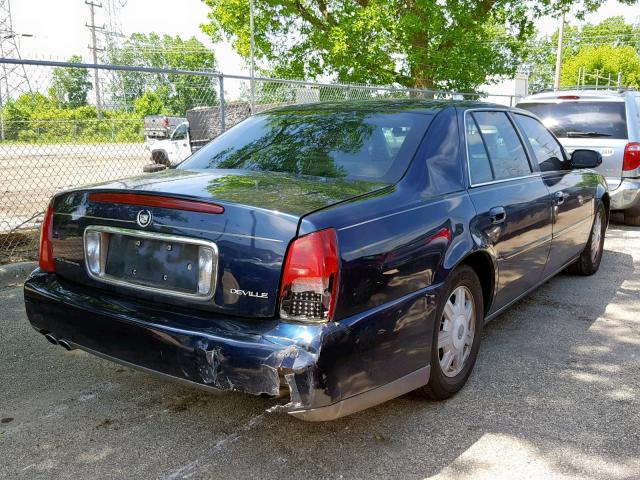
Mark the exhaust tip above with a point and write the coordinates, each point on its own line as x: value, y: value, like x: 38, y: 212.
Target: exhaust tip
x: 64, y: 344
x: 51, y: 339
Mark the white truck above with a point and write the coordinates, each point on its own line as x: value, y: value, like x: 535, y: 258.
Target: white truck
x: 160, y: 127
x: 201, y: 125
x: 170, y: 151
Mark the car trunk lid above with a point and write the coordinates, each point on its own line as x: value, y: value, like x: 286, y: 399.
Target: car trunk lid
x: 154, y: 237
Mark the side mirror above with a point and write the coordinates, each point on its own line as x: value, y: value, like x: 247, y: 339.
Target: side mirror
x: 585, y: 159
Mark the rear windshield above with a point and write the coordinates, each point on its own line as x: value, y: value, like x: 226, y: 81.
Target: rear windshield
x: 353, y: 144
x: 582, y: 119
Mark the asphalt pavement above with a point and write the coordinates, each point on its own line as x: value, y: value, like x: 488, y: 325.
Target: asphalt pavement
x: 555, y: 394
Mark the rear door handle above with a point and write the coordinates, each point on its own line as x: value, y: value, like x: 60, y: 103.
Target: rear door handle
x: 559, y: 197
x: 497, y: 215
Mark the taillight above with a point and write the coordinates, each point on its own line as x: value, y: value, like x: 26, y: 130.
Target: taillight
x: 631, y: 156
x: 47, y: 264
x: 310, y: 279
x: 165, y: 122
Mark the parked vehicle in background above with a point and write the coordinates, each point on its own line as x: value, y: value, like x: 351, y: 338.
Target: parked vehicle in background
x: 159, y: 127
x: 602, y: 120
x: 200, y: 126
x: 173, y: 150
x: 341, y: 253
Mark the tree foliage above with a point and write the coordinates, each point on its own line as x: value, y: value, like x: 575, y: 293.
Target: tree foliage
x: 606, y: 61
x: 38, y: 118
x: 149, y: 103
x: 70, y: 86
x: 177, y: 93
x: 452, y: 44
x: 612, y: 32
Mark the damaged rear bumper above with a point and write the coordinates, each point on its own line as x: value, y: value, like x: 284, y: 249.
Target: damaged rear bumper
x: 330, y: 370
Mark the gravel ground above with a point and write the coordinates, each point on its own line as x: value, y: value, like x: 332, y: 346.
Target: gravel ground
x: 31, y: 173
x: 555, y: 394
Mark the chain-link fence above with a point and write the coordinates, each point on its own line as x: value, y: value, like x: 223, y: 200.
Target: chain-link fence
x: 58, y: 131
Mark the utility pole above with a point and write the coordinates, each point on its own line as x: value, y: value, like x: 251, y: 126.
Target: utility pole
x: 94, y: 48
x: 556, y: 81
x: 252, y: 54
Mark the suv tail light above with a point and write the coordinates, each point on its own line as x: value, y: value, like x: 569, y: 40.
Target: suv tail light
x: 310, y: 278
x: 631, y: 156
x: 46, y: 262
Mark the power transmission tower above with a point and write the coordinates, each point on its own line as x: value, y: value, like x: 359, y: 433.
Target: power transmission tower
x: 13, y: 78
x: 94, y: 49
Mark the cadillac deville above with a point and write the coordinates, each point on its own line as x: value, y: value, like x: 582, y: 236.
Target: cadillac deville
x: 337, y: 254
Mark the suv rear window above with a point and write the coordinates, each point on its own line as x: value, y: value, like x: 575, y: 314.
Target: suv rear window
x: 582, y: 119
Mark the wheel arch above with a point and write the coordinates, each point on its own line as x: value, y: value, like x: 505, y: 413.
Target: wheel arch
x: 486, y: 269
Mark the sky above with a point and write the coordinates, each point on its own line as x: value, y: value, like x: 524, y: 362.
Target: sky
x: 59, y: 26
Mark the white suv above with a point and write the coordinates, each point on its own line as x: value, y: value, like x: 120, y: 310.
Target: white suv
x: 602, y: 120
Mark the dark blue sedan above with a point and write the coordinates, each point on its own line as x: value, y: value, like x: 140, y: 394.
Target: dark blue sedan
x: 339, y: 254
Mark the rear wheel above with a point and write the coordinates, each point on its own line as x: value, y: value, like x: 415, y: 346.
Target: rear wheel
x: 456, y: 336
x: 160, y: 158
x: 589, y: 260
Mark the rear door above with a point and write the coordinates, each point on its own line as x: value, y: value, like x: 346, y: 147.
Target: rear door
x: 512, y: 203
x: 572, y: 192
x: 592, y: 122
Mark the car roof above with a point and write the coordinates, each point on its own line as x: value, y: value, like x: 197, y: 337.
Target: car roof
x: 382, y: 106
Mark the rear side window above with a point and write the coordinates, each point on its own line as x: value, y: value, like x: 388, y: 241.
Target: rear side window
x: 479, y: 165
x: 546, y: 149
x: 502, y: 147
x: 582, y: 119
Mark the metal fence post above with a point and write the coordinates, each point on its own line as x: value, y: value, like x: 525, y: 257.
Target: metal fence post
x: 113, y: 129
x: 221, y: 88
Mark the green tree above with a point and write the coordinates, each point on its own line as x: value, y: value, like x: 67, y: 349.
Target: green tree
x: 149, y: 103
x: 70, y: 86
x: 606, y: 61
x: 451, y: 44
x: 541, y: 54
x: 177, y: 92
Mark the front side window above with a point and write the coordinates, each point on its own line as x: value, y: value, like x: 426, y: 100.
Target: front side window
x: 503, y: 147
x: 180, y: 133
x: 546, y: 149
x: 362, y: 144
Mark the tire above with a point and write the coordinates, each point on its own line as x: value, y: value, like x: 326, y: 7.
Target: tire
x: 448, y: 376
x: 160, y: 158
x: 153, y: 167
x: 590, y: 258
x: 632, y: 220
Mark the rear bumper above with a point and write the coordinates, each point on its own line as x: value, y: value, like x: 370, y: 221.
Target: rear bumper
x: 330, y: 370
x: 627, y: 195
